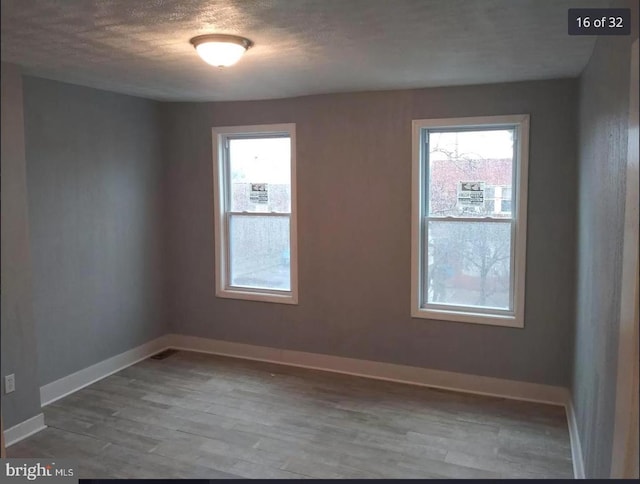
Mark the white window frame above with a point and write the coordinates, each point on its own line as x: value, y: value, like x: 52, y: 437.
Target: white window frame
x: 515, y: 317
x: 221, y: 226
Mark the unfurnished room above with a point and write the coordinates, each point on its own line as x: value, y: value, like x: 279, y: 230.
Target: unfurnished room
x: 319, y: 239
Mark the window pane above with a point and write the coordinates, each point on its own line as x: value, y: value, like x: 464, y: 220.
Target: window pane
x: 464, y: 166
x: 260, y: 174
x: 469, y: 264
x: 259, y: 247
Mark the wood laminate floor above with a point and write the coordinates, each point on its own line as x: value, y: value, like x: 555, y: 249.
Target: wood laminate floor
x: 202, y: 416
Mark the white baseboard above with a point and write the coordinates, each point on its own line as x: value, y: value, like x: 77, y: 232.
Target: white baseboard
x: 64, y: 386
x: 381, y: 371
x: 447, y: 380
x: 576, y: 447
x: 24, y: 429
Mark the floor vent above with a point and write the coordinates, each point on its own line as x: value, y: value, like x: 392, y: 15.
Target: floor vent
x: 163, y: 354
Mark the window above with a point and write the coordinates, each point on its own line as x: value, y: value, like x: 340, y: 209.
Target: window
x: 255, y: 213
x: 469, y: 219
x: 497, y: 199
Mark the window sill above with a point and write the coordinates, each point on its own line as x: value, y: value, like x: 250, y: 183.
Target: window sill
x: 249, y: 295
x: 510, y: 321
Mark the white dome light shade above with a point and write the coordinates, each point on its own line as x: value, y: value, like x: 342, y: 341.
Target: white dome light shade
x: 220, y: 54
x: 220, y: 50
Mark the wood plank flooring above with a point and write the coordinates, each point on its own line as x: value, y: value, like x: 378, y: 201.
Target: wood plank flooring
x: 202, y: 416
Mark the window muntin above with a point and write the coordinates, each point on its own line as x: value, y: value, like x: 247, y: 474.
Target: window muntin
x: 255, y: 213
x: 468, y: 248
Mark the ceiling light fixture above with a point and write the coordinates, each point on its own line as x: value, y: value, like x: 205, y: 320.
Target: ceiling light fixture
x: 220, y: 50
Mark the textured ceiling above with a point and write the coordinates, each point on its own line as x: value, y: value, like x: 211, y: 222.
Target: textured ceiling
x: 141, y: 47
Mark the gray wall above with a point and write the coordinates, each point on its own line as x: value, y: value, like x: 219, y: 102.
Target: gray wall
x: 95, y: 171
x: 603, y: 125
x: 354, y: 216
x: 19, y: 353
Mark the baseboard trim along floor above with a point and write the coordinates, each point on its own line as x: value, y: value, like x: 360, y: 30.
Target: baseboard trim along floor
x: 576, y: 447
x: 446, y: 380
x: 66, y: 385
x: 24, y: 429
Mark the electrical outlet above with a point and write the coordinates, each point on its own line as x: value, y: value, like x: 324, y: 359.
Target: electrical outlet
x: 10, y: 383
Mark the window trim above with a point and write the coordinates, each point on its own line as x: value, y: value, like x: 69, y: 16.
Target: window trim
x: 515, y: 318
x: 221, y: 228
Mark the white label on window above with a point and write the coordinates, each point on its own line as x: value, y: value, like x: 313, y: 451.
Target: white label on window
x: 259, y: 193
x: 470, y: 194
